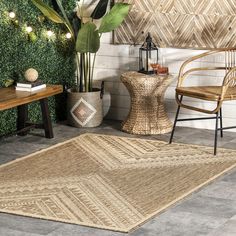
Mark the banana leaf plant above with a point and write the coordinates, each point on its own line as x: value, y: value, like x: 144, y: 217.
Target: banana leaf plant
x: 86, y: 34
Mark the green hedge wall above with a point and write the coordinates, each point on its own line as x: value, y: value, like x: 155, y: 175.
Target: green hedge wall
x: 53, y: 58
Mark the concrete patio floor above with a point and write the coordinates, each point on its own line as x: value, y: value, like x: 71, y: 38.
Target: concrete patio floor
x: 210, y: 211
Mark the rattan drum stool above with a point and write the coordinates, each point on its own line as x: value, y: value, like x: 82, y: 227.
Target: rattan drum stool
x: 147, y: 113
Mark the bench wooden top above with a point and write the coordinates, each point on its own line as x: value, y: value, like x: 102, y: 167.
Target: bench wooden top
x: 10, y: 98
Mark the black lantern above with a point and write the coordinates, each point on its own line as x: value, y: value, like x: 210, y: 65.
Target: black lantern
x: 148, y: 55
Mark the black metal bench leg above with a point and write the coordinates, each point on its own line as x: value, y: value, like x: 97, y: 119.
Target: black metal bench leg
x: 176, y: 118
x: 46, y: 118
x: 221, y: 123
x: 22, y: 118
x: 216, y: 133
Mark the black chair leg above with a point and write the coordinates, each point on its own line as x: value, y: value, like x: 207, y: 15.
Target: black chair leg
x: 216, y: 133
x: 176, y: 118
x: 221, y: 123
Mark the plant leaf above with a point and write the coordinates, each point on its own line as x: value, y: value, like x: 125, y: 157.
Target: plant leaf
x: 114, y: 18
x: 100, y: 9
x: 48, y: 11
x: 9, y: 82
x: 88, y: 39
x: 76, y: 23
x: 67, y: 22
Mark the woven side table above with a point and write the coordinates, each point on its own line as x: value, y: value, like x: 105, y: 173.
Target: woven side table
x: 147, y: 114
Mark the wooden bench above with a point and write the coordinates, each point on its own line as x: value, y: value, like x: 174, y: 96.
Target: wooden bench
x: 10, y: 98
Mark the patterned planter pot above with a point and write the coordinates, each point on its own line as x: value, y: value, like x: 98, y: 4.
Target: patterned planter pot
x: 84, y: 109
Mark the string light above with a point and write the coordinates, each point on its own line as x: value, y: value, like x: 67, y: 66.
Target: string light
x: 28, y: 29
x: 12, y: 15
x: 68, y: 35
x: 32, y: 36
x: 50, y: 33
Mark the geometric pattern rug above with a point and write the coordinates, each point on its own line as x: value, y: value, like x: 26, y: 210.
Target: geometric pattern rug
x: 108, y: 182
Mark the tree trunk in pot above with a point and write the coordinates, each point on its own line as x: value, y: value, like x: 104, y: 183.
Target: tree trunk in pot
x: 84, y: 109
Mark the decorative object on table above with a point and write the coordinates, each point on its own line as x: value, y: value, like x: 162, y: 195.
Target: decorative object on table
x: 162, y: 70
x: 85, y: 36
x: 30, y: 89
x: 31, y: 82
x: 155, y: 67
x: 27, y: 84
x: 31, y: 75
x: 107, y: 182
x: 147, y: 112
x: 180, y: 24
x: 214, y: 93
x: 148, y: 56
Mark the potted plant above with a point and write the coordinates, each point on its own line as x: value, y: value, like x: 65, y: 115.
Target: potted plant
x: 84, y: 103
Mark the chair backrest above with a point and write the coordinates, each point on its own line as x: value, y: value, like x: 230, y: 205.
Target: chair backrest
x: 230, y: 60
x: 230, y: 64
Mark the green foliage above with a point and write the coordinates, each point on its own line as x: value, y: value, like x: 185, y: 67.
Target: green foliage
x: 54, y: 59
x: 114, y: 17
x: 48, y: 12
x: 9, y: 82
x: 87, y: 37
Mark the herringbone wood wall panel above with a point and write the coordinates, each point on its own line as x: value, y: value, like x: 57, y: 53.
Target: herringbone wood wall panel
x: 180, y: 23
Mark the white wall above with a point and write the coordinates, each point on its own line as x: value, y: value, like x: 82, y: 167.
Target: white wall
x: 113, y: 60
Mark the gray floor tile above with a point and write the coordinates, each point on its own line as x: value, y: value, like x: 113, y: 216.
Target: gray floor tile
x: 233, y: 218
x: 10, y: 232
x: 145, y: 231
x: 231, y: 177
x: 228, y: 229
x: 74, y: 230
x: 221, y: 189
x: 20, y: 147
x: 231, y: 144
x: 209, y: 206
x: 180, y: 224
x: 27, y: 225
x: 6, y: 158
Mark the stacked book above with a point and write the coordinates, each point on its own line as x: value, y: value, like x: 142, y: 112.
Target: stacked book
x: 30, y: 86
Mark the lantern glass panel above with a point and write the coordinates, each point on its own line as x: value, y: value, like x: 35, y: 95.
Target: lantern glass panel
x: 148, y: 55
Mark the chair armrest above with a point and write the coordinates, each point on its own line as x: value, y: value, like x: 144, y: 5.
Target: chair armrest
x: 230, y: 78
x: 229, y: 81
x: 183, y: 74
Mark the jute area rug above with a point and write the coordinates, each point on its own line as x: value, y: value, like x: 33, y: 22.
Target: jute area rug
x: 107, y: 181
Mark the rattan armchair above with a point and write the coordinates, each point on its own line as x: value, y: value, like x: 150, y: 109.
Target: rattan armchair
x: 217, y: 94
